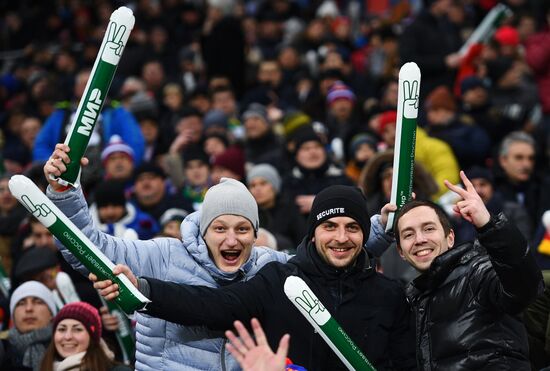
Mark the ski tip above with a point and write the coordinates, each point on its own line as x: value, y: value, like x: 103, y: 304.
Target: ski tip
x: 294, y: 286
x: 19, y: 183
x: 123, y: 15
x: 409, y: 70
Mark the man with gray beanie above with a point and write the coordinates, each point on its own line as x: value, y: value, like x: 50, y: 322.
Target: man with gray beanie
x: 277, y: 213
x: 32, y: 307
x: 333, y: 262
x: 216, y: 249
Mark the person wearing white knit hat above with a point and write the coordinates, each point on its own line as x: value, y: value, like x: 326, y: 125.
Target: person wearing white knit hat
x: 118, y: 159
x: 29, y: 291
x: 32, y: 308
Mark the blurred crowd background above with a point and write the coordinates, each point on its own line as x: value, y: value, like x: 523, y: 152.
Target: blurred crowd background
x: 287, y: 97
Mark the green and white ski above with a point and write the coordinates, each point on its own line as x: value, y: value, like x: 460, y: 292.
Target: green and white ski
x: 405, y: 137
x: 487, y: 27
x: 124, y: 334
x: 5, y: 283
x: 40, y: 206
x: 118, y: 31
x: 299, y: 293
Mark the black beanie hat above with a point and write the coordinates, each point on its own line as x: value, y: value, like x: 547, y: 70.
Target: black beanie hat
x: 33, y: 261
x: 303, y: 135
x: 194, y: 152
x: 339, y: 200
x: 148, y: 167
x: 110, y: 192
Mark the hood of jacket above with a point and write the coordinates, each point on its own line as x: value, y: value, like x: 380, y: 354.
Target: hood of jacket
x: 195, y: 245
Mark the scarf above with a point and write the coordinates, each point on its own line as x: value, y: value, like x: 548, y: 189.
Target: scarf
x: 70, y: 363
x: 74, y: 362
x: 31, y: 345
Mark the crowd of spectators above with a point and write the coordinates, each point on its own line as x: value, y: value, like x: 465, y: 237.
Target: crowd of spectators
x: 288, y: 97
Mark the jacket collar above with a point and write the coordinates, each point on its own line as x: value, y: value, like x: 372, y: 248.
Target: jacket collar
x: 443, y: 267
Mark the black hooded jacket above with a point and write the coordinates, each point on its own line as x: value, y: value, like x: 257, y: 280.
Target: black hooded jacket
x: 467, y: 303
x: 370, y: 307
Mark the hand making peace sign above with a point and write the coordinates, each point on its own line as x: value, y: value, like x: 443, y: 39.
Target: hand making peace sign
x: 471, y: 207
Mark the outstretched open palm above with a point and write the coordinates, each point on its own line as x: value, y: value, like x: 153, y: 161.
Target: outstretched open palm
x: 256, y: 355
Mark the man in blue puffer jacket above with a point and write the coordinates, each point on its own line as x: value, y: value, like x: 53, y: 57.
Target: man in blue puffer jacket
x: 113, y: 120
x: 216, y: 249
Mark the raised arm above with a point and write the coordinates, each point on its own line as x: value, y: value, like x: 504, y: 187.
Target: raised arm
x: 216, y: 308
x: 518, y: 279
x: 379, y: 240
x: 144, y: 257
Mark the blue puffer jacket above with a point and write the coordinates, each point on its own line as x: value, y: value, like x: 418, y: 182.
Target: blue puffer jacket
x: 163, y: 345
x: 114, y: 121
x: 144, y: 225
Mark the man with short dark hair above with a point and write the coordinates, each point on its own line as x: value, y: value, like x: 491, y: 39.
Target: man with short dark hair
x: 151, y: 194
x: 333, y: 262
x: 467, y: 297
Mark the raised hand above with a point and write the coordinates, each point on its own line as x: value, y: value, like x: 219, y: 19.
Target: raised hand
x: 57, y: 165
x: 471, y: 207
x: 410, y: 103
x: 107, y: 288
x: 384, y: 213
x: 256, y: 355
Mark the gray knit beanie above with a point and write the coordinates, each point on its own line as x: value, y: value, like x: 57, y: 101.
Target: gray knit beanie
x: 228, y: 197
x: 267, y: 172
x: 35, y: 289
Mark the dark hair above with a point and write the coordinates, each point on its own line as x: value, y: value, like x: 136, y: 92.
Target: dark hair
x: 221, y: 89
x: 441, y: 215
x: 189, y: 111
x: 33, y: 220
x: 95, y: 358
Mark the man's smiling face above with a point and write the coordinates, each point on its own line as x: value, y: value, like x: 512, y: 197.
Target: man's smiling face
x: 338, y: 241
x: 422, y: 237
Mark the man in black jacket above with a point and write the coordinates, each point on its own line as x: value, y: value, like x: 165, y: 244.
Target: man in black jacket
x: 467, y: 298
x: 371, y: 308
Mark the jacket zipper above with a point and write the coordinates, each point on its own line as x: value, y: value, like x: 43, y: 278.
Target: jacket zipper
x: 222, y: 355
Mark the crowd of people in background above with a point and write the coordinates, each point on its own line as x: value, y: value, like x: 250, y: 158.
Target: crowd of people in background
x: 288, y: 97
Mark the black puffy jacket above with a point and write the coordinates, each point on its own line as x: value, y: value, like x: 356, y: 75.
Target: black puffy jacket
x: 467, y: 303
x: 371, y: 308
